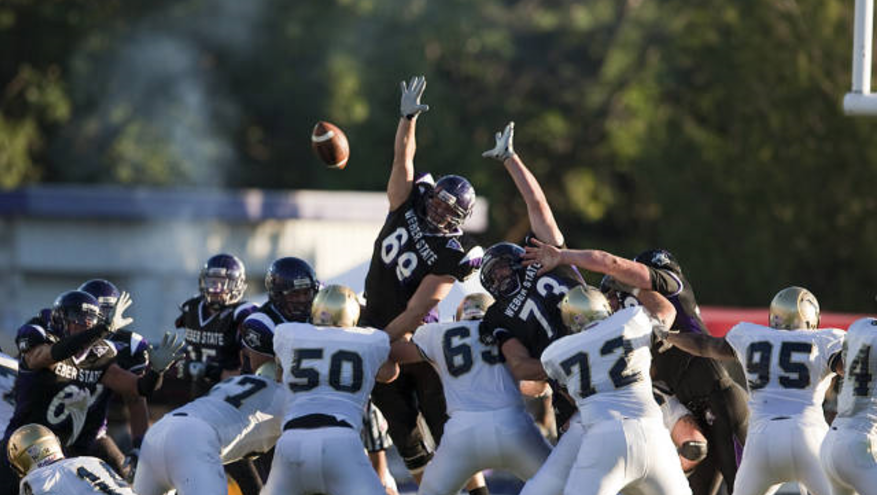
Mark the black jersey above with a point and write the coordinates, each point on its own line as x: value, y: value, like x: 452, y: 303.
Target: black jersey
x: 257, y: 330
x: 404, y: 253
x: 212, y: 341
x: 63, y: 395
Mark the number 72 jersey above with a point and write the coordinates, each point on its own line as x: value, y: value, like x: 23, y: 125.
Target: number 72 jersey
x: 857, y: 401
x: 788, y: 371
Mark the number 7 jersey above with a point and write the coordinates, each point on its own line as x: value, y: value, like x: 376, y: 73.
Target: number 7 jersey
x: 788, y: 371
x: 330, y: 370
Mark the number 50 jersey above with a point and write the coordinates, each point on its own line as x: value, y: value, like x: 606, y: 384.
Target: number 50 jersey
x: 330, y: 370
x: 788, y: 371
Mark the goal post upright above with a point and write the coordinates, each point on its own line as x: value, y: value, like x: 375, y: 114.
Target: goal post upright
x: 860, y: 101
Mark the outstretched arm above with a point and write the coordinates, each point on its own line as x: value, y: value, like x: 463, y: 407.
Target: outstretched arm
x: 702, y: 345
x: 541, y: 218
x: 628, y: 272
x: 519, y: 362
x: 429, y: 293
x: 402, y: 175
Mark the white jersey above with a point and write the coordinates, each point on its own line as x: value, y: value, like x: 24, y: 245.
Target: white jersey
x: 8, y: 371
x: 857, y: 401
x: 246, y: 411
x: 788, y: 372
x: 74, y: 476
x: 473, y: 375
x: 671, y: 409
x: 605, y: 368
x: 330, y: 370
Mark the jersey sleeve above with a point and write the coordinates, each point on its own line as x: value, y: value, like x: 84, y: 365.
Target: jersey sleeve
x: 132, y: 354
x: 424, y: 339
x: 381, y: 348
x: 460, y: 258
x: 833, y: 348
x: 665, y: 282
x: 30, y: 336
x: 242, y: 311
x: 495, y: 329
x: 257, y: 333
x: 736, y: 338
x: 549, y: 364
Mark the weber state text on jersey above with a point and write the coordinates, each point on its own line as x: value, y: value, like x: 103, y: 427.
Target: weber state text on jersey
x: 74, y: 476
x: 211, y: 339
x: 605, y: 368
x: 404, y: 253
x: 532, y: 315
x: 473, y: 375
x: 788, y: 371
x: 857, y: 401
x: 246, y: 412
x: 330, y: 370
x: 62, y: 395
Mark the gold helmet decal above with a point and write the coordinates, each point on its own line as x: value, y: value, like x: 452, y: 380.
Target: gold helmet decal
x: 33, y: 446
x: 794, y: 308
x: 474, y: 306
x: 582, y: 306
x: 335, y: 306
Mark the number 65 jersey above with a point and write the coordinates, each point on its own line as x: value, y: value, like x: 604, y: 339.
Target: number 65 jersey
x: 788, y: 371
x: 330, y: 370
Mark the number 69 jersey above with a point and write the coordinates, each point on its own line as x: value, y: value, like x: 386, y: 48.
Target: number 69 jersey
x: 473, y: 375
x: 74, y: 476
x: 605, y: 368
x: 857, y: 401
x: 330, y: 370
x: 788, y: 371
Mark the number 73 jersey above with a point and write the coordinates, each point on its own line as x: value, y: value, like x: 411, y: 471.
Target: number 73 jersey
x: 605, y: 368
x: 788, y: 371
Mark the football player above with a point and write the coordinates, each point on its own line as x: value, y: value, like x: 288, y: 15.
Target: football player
x: 418, y: 255
x: 489, y: 426
x: 789, y: 366
x: 526, y: 317
x: 604, y: 365
x: 131, y: 355
x: 702, y: 384
x: 186, y: 449
x: 330, y: 365
x: 685, y: 432
x: 36, y: 454
x: 211, y: 321
x: 848, y: 451
x: 62, y: 367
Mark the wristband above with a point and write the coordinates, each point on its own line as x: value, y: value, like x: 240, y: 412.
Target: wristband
x: 147, y: 383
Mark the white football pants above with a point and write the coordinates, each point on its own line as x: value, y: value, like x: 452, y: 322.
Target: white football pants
x: 552, y: 476
x: 327, y: 460
x: 633, y: 455
x: 503, y: 439
x: 180, y: 452
x: 849, y: 457
x: 779, y: 451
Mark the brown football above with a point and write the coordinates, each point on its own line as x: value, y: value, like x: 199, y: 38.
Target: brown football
x: 330, y: 144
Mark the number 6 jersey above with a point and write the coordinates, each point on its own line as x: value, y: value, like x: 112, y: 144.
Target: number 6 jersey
x: 788, y: 371
x: 330, y: 370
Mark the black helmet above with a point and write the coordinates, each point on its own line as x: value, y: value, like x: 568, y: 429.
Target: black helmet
x: 449, y: 203
x: 292, y: 285
x: 104, y: 291
x: 75, y: 307
x: 502, y: 273
x: 223, y: 280
x: 659, y: 258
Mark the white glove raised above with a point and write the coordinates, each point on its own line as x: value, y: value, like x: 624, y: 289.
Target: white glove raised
x: 167, y: 353
x: 116, y: 320
x: 410, y: 105
x: 504, y: 144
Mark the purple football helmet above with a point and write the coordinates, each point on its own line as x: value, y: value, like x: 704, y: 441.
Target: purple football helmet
x: 449, y: 203
x: 105, y: 292
x: 502, y: 273
x: 292, y: 285
x: 75, y: 308
x: 223, y: 280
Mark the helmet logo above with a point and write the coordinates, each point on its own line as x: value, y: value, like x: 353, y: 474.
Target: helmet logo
x: 660, y: 259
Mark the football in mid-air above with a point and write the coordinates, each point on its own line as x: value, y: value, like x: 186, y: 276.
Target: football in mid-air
x: 330, y: 144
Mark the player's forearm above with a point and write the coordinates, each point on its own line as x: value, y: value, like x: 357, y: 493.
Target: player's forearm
x: 402, y: 174
x: 387, y: 372
x: 702, y: 345
x: 539, y: 211
x: 138, y: 416
x: 527, y: 369
x: 659, y: 306
x: 405, y: 323
x: 622, y: 269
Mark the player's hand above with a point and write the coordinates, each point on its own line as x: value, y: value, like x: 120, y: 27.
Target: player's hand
x: 543, y: 254
x: 167, y: 353
x: 116, y: 320
x: 504, y: 144
x: 410, y: 106
x: 130, y: 465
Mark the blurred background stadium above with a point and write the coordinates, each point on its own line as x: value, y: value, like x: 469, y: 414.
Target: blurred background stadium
x: 139, y: 137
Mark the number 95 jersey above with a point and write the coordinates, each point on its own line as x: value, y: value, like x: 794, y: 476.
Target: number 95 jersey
x: 788, y: 371
x: 330, y: 370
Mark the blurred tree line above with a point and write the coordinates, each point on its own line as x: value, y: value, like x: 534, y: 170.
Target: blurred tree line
x: 711, y: 128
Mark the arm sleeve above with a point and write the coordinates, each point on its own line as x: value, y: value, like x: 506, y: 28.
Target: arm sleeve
x: 460, y: 258
x: 665, y: 282
x: 74, y: 344
x: 423, y: 338
x: 737, y: 340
